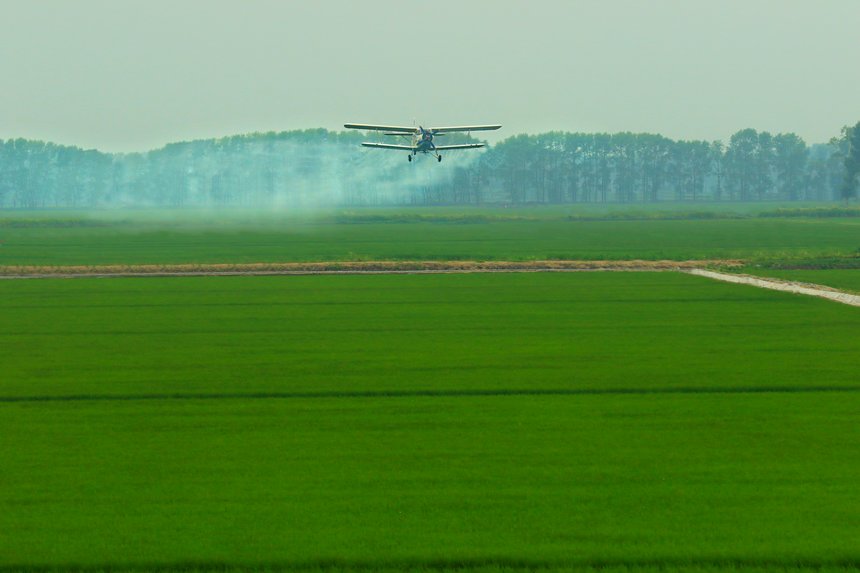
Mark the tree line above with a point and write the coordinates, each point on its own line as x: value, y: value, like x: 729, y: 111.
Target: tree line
x: 313, y: 168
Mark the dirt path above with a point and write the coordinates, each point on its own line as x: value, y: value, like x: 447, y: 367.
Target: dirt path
x: 693, y: 267
x: 786, y: 286
x: 359, y: 267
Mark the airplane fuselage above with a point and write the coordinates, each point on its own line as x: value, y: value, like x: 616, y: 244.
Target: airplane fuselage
x: 423, y: 141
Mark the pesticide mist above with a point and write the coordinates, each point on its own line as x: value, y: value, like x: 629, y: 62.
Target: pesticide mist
x: 292, y: 170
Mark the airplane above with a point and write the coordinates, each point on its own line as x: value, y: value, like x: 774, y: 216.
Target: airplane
x: 421, y: 139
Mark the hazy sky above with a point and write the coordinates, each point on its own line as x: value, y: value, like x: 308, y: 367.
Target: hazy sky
x: 123, y: 75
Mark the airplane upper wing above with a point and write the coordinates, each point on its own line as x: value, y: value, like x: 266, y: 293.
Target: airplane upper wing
x: 465, y: 128
x: 397, y: 128
x: 388, y: 146
x: 459, y: 146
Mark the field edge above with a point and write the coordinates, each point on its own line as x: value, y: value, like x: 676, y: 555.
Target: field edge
x: 354, y: 267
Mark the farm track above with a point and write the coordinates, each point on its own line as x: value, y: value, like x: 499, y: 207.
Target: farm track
x: 694, y: 267
x: 355, y: 267
x: 782, y: 285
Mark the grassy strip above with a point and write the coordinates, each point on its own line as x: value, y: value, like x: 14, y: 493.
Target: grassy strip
x: 430, y: 216
x: 810, y: 264
x: 523, y: 215
x: 819, y: 212
x: 463, y: 214
x: 49, y: 222
x: 677, y: 215
x: 617, y: 212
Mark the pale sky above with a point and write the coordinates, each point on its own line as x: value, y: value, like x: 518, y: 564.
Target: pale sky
x: 132, y: 75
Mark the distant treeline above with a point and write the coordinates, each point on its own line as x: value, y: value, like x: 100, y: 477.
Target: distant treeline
x: 321, y: 168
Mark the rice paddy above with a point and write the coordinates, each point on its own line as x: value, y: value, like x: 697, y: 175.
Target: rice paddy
x: 637, y: 421
x: 110, y: 238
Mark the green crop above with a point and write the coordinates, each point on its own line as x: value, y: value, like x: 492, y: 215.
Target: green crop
x: 409, y: 482
x: 505, y: 422
x: 404, y: 234
x: 348, y: 334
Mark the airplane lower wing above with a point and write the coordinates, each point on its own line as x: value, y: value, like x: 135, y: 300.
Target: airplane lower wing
x: 389, y: 146
x: 459, y: 146
x: 368, y: 127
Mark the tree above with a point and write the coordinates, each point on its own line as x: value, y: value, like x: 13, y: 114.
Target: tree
x: 764, y: 167
x: 741, y: 163
x: 692, y: 161
x: 852, y: 162
x: 655, y: 165
x: 790, y: 159
x: 318, y: 167
x: 717, y: 160
x: 624, y: 164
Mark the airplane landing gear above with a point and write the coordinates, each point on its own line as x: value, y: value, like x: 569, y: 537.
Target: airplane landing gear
x: 439, y: 158
x: 409, y: 157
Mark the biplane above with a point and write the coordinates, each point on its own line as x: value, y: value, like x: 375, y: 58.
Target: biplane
x: 421, y: 139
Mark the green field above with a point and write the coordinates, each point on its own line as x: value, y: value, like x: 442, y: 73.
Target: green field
x: 460, y: 422
x: 704, y: 479
x: 107, y: 237
x: 628, y: 421
x: 439, y: 332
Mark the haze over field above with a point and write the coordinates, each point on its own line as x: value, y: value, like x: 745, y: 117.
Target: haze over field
x: 136, y: 75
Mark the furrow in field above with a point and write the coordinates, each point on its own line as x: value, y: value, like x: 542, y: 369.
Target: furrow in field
x: 504, y: 564
x: 427, y: 393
